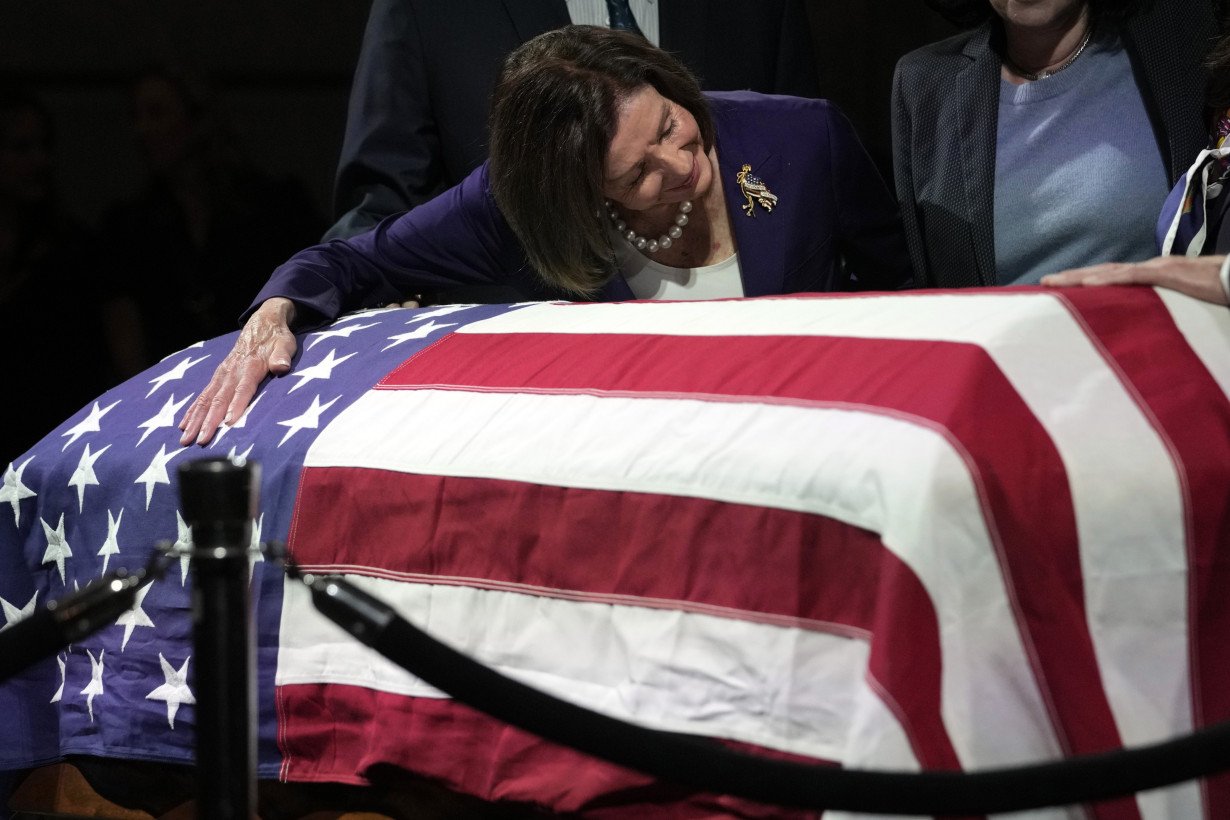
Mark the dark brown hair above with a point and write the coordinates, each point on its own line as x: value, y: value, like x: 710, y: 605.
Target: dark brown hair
x: 554, y: 113
x: 1218, y: 64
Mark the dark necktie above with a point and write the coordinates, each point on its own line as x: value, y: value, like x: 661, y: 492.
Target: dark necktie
x: 621, y: 16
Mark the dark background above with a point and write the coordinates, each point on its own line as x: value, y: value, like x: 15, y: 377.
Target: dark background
x: 282, y: 70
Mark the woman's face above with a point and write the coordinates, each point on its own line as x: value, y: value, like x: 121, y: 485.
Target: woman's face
x: 1039, y: 14
x: 656, y: 156
x: 25, y: 156
x: 162, y: 123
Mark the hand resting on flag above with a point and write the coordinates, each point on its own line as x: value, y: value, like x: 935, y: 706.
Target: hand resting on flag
x: 524, y: 222
x: 265, y: 346
x: 908, y: 531
x: 1197, y: 276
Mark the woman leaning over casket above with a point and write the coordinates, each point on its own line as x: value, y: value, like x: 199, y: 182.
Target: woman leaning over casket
x: 611, y: 177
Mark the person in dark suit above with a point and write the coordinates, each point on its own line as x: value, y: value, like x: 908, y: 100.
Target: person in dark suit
x: 418, y: 106
x: 612, y: 175
x: 1047, y: 136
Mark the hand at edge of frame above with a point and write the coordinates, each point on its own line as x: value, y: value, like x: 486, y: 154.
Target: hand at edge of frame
x: 1196, y: 276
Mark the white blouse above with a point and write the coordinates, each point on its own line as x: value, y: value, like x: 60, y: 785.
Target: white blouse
x: 653, y: 280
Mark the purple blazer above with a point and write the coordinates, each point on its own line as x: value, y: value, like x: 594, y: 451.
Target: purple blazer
x: 836, y: 225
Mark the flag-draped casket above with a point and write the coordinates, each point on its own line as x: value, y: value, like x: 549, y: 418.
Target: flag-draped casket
x: 909, y: 531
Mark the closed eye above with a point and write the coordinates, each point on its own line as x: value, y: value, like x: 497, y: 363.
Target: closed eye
x: 666, y: 134
x: 640, y: 172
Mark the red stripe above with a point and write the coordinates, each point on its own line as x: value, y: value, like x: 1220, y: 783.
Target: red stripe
x: 954, y: 387
x: 682, y: 553
x: 471, y: 753
x: 1192, y: 414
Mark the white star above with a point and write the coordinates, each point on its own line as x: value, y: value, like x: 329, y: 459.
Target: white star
x: 59, y: 692
x: 12, y: 614
x: 132, y: 618
x: 175, y: 373
x: 182, y: 547
x: 420, y: 332
x: 175, y: 691
x: 321, y: 370
x: 13, y: 491
x: 89, y: 424
x: 334, y: 332
x: 236, y: 457
x: 84, y: 474
x: 223, y: 429
x: 444, y: 310
x: 111, y: 546
x: 76, y: 588
x: 57, y: 547
x: 165, y: 417
x: 362, y: 314
x: 254, y: 546
x: 95, y: 686
x: 156, y: 472
x: 310, y: 419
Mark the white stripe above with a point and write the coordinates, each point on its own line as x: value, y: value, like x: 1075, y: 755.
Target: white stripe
x: 783, y: 688
x: 1206, y: 327
x: 976, y: 318
x: 876, y: 741
x: 1126, y: 492
x: 748, y: 453
x: 1125, y: 488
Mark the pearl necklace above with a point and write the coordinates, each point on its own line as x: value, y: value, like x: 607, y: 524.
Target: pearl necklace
x: 644, y: 244
x: 1034, y: 76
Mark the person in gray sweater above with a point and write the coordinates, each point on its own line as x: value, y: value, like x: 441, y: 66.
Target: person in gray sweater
x: 1047, y: 135
x: 1193, y: 231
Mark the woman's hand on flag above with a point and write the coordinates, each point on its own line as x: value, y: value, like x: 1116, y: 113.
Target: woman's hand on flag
x: 1198, y: 276
x: 265, y: 346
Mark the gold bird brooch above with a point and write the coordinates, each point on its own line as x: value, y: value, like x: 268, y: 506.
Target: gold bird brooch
x: 754, y: 191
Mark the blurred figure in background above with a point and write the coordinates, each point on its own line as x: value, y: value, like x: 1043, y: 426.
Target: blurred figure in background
x: 49, y: 285
x: 204, y: 231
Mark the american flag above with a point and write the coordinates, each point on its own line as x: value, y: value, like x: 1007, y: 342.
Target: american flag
x: 949, y: 530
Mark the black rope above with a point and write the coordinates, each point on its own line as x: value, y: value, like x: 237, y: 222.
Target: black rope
x: 706, y: 766
x: 62, y: 621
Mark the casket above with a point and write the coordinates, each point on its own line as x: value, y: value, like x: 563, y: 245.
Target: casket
x: 920, y: 531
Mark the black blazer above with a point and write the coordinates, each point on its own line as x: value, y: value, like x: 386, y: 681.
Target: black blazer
x: 417, y: 122
x: 945, y: 108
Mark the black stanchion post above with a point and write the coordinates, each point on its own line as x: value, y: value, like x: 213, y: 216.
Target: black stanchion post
x: 219, y: 500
